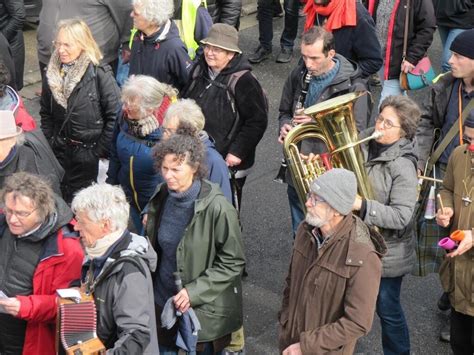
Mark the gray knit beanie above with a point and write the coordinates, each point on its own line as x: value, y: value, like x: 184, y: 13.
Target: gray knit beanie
x: 338, y: 187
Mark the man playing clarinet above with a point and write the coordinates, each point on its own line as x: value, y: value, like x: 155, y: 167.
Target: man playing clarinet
x: 321, y: 75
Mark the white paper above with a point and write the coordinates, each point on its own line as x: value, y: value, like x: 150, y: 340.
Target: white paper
x: 69, y: 293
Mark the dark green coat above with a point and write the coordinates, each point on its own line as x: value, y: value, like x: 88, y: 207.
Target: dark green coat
x: 210, y: 259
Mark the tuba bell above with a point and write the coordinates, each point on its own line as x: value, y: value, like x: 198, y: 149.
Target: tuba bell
x: 335, y: 127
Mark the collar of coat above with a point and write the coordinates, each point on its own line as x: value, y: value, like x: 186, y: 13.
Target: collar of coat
x: 62, y: 87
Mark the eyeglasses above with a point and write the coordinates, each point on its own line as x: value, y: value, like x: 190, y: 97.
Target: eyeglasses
x: 313, y: 199
x: 386, y: 122
x: 66, y: 46
x: 18, y: 214
x: 467, y: 139
x: 214, y: 49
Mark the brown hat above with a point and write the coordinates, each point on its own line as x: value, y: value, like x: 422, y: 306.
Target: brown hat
x: 8, y: 127
x: 223, y: 36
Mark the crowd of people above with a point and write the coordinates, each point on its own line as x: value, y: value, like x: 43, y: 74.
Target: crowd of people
x: 158, y: 245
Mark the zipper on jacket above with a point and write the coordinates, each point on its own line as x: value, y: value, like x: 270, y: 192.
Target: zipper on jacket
x: 132, y: 185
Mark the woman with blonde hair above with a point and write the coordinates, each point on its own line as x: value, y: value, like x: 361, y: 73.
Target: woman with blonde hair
x: 145, y: 101
x: 78, y: 105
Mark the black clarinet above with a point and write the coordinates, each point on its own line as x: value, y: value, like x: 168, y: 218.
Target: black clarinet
x: 299, y: 105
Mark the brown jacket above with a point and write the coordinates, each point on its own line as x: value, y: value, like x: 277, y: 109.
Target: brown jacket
x: 330, y: 293
x: 457, y: 273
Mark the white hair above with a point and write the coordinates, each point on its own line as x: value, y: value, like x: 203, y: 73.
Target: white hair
x: 148, y: 91
x: 156, y: 11
x: 186, y: 111
x: 103, y: 202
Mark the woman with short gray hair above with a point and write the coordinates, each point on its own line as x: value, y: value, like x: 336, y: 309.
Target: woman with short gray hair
x: 391, y: 162
x: 117, y: 269
x: 136, y: 131
x: 157, y: 49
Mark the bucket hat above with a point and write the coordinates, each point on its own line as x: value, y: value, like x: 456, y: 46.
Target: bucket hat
x: 223, y: 36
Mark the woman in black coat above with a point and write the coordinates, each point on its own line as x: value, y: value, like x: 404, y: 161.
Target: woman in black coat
x: 79, y: 105
x: 12, y: 19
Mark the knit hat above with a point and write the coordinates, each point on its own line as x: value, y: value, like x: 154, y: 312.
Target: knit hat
x: 338, y: 187
x: 469, y: 122
x: 223, y: 36
x: 8, y: 127
x: 463, y: 44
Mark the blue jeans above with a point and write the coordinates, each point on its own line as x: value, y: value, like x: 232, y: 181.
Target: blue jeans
x: 208, y: 350
x: 297, y: 214
x: 265, y: 23
x: 390, y: 87
x: 447, y: 36
x: 290, y: 30
x: 395, y: 335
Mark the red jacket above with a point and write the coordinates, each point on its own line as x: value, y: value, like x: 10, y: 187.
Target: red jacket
x: 60, y: 264
x: 23, y: 118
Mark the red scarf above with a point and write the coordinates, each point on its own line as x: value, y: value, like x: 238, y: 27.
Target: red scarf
x: 339, y: 13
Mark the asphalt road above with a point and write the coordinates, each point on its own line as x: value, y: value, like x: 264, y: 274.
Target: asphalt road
x: 267, y: 229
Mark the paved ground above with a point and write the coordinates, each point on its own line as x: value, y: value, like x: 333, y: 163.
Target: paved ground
x: 266, y: 222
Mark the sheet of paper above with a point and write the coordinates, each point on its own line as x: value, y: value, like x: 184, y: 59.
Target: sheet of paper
x: 69, y: 293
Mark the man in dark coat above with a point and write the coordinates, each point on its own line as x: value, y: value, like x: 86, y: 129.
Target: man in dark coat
x: 448, y: 98
x: 12, y: 19
x: 320, y: 76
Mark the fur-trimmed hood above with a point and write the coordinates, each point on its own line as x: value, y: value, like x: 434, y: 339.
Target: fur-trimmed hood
x: 62, y: 81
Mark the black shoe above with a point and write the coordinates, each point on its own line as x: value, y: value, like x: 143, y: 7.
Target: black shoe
x: 285, y: 55
x: 445, y: 334
x: 443, y: 303
x: 260, y: 55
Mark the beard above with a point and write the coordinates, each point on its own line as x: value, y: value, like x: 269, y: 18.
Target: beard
x: 315, y: 221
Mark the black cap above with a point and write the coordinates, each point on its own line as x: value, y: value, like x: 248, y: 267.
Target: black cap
x: 463, y: 44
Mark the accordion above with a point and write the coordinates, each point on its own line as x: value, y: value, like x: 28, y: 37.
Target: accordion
x: 76, y: 326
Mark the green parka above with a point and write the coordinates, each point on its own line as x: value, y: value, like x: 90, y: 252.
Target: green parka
x: 210, y: 259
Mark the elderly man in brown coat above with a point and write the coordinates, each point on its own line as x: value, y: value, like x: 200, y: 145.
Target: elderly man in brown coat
x: 334, y: 275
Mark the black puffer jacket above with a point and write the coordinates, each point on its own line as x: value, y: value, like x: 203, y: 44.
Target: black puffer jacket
x: 241, y: 137
x: 225, y: 11
x: 12, y: 18
x: 87, y: 132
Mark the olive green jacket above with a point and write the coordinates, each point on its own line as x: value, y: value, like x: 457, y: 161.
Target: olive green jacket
x: 457, y: 273
x: 210, y: 259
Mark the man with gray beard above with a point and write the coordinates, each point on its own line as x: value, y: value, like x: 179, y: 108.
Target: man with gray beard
x: 333, y: 282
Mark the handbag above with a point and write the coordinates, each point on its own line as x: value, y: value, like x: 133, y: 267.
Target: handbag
x: 423, y: 74
x: 420, y: 77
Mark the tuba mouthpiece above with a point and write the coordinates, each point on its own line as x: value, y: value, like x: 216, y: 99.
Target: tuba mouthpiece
x: 377, y: 134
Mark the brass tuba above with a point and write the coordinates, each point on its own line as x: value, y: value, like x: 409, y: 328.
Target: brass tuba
x: 335, y: 127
